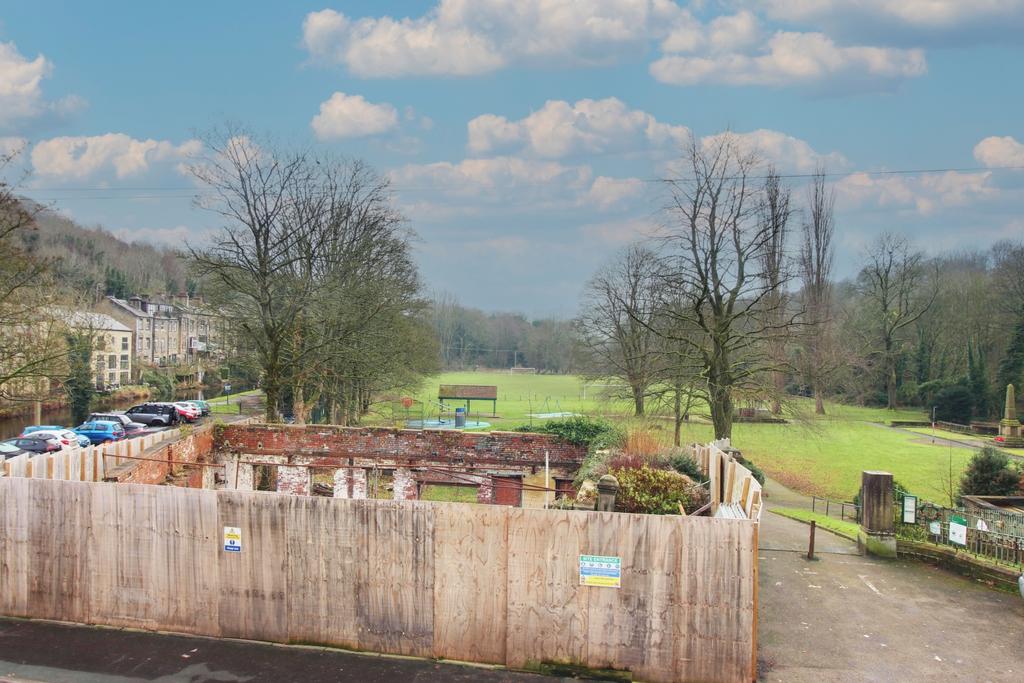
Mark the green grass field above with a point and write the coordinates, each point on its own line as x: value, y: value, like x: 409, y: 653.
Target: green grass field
x: 845, y: 529
x: 821, y: 456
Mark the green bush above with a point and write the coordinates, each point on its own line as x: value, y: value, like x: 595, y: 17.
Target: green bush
x: 683, y: 463
x: 953, y: 404
x: 650, y: 491
x: 594, y: 433
x: 989, y: 474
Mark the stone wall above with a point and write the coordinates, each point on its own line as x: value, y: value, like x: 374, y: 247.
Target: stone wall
x: 155, y: 465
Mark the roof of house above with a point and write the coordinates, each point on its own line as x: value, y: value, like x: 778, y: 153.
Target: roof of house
x: 91, y: 320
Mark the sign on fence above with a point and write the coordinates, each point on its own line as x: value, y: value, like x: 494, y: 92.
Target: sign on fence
x: 232, y: 539
x: 601, y: 570
x: 909, y: 509
x: 958, y: 530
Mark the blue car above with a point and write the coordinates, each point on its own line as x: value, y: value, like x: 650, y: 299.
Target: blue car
x: 100, y: 431
x: 83, y: 441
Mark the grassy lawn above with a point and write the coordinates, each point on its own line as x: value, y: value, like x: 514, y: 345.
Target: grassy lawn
x: 845, y: 529
x: 228, y: 405
x: 439, y: 493
x: 814, y: 455
x: 965, y: 438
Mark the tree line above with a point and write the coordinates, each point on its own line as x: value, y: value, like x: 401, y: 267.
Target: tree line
x: 735, y: 303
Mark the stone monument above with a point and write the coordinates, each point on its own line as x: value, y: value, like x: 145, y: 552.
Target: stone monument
x: 1009, y: 426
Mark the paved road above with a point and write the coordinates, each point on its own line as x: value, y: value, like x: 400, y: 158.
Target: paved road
x: 849, y: 618
x: 57, y: 653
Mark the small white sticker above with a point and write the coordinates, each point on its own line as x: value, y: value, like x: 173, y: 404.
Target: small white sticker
x: 232, y: 539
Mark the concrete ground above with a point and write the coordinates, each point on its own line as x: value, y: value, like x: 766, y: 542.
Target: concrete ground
x: 844, y: 617
x: 58, y: 653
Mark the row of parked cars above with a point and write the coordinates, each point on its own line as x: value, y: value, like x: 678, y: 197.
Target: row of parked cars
x: 103, y: 428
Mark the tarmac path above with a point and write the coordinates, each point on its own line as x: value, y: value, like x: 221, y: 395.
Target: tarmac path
x: 843, y: 617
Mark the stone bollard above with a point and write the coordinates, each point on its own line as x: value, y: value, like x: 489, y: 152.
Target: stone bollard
x: 607, y: 489
x: 877, y: 527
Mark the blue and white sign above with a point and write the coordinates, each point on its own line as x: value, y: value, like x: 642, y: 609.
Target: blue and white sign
x: 232, y: 539
x: 601, y: 570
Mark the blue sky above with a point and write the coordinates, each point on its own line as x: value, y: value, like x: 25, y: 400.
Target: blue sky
x: 522, y: 136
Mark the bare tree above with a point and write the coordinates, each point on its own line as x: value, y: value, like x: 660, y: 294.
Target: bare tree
x: 816, y: 258
x: 249, y: 265
x: 773, y: 213
x: 891, y: 282
x: 616, y: 327
x: 715, y: 268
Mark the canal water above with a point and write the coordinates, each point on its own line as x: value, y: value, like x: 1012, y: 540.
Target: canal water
x: 12, y: 426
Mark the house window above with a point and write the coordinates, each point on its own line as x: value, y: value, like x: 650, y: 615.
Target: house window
x: 111, y: 361
x: 124, y: 360
x: 124, y: 379
x: 112, y: 377
x: 124, y: 343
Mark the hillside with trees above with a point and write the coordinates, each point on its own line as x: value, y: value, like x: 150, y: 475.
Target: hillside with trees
x: 95, y: 261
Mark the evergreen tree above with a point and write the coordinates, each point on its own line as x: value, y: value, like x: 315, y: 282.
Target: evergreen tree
x: 79, y: 384
x: 977, y: 382
x: 989, y: 474
x: 1011, y: 369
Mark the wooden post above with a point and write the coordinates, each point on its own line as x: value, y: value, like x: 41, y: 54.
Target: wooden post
x: 810, y: 543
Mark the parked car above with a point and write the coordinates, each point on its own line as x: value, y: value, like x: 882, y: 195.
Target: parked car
x: 154, y: 414
x: 203, y: 406
x: 187, y: 411
x: 101, y: 431
x: 64, y: 431
x: 130, y: 428
x: 36, y: 443
x: 65, y: 437
x: 9, y: 450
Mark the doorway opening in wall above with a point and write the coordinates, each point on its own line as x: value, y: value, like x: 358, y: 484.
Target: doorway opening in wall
x: 266, y: 477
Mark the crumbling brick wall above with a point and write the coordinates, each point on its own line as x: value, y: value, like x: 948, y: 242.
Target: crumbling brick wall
x: 164, y: 459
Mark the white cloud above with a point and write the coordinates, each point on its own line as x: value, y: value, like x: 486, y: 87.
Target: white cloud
x: 607, y: 192
x: 560, y: 129
x: 786, y: 153
x: 21, y: 93
x: 468, y: 37
x: 916, y: 13
x: 791, y: 58
x: 496, y: 179
x: 999, y: 151
x: 922, y: 194
x: 350, y: 116
x: 175, y: 236
x: 83, y: 156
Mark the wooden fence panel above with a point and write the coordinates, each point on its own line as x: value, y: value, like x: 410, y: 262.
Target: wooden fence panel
x: 470, y: 582
x: 15, y: 548
x: 322, y: 571
x: 395, y: 582
x: 253, y: 582
x: 478, y: 583
x: 547, y: 611
x: 59, y: 576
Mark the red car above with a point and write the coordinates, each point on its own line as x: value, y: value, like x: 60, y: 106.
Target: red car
x: 187, y: 411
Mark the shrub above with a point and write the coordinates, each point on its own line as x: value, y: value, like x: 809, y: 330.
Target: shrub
x: 989, y: 474
x: 683, y: 463
x: 594, y: 433
x: 641, y: 442
x: 652, y: 491
x: 754, y: 470
x: 953, y: 404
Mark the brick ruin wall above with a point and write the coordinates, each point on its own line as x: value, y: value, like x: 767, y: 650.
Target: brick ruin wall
x: 413, y: 457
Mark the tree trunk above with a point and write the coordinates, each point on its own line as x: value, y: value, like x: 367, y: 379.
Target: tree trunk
x: 299, y: 404
x: 891, y: 384
x: 677, y: 408
x: 720, y: 402
x: 819, y: 400
x: 779, y: 380
x: 638, y: 401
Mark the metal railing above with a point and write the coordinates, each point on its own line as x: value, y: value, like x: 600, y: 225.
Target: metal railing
x: 845, y: 509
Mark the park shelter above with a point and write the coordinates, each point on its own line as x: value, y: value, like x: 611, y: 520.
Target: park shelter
x: 469, y: 393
